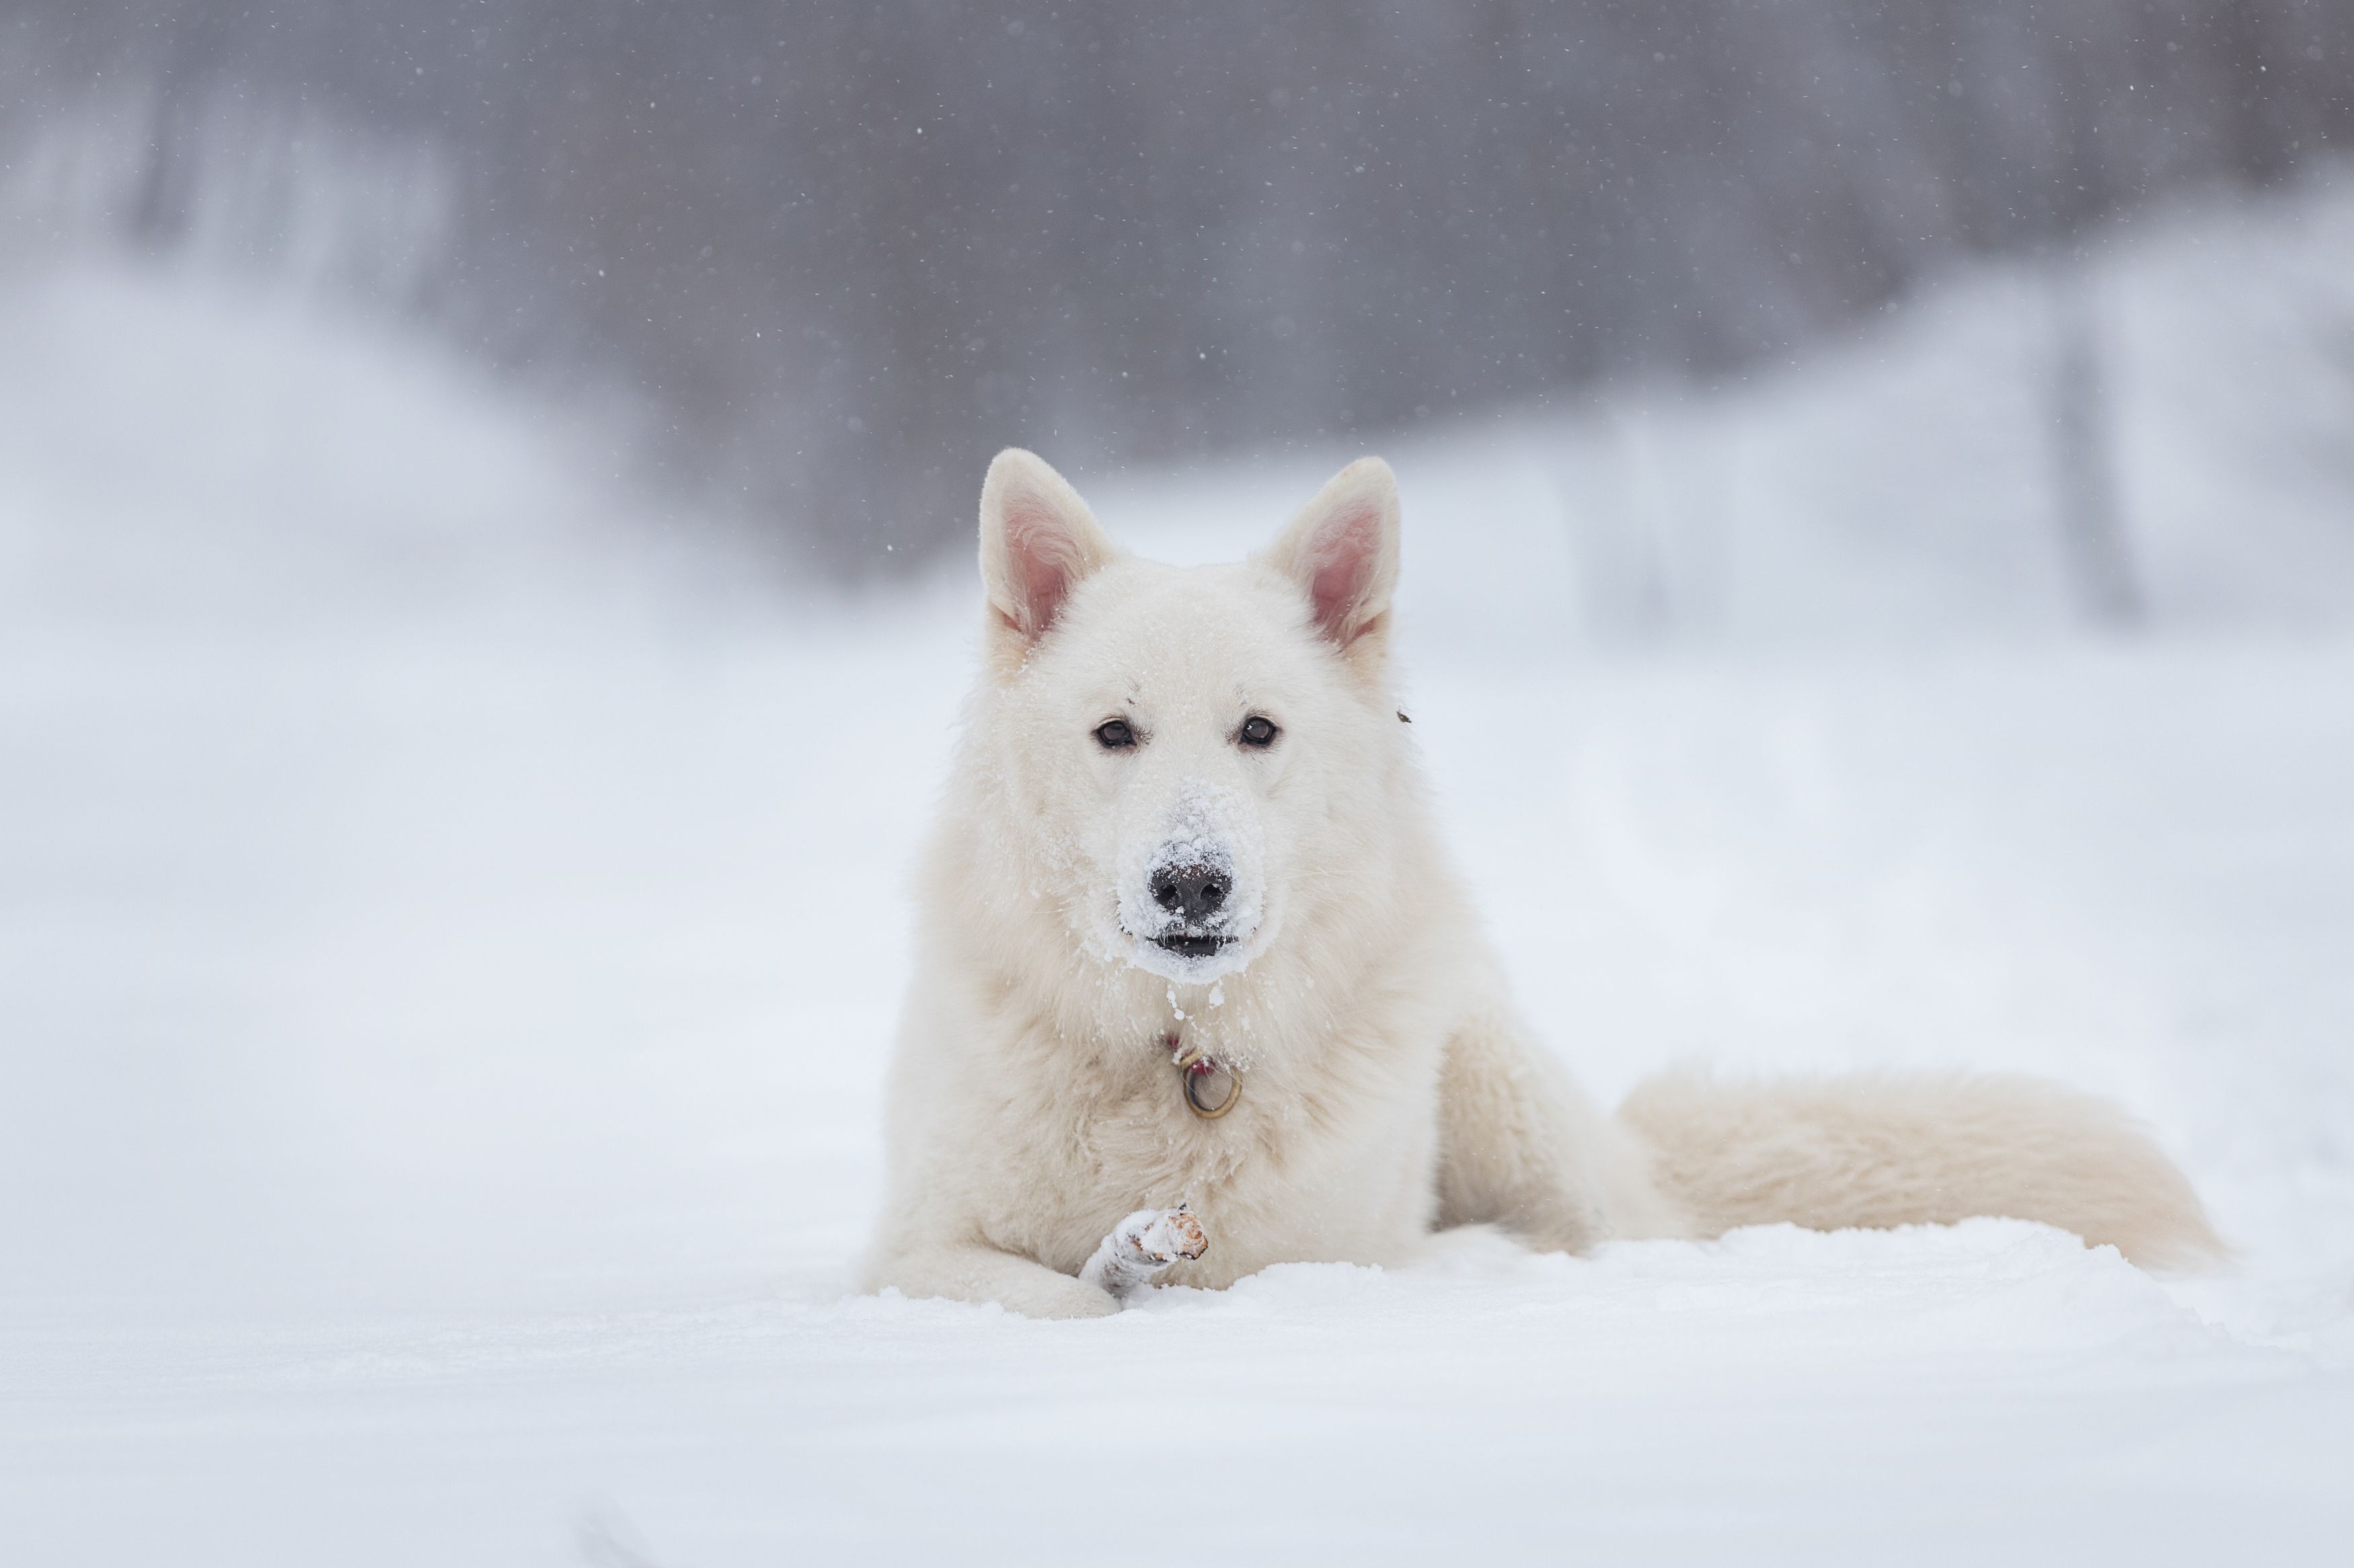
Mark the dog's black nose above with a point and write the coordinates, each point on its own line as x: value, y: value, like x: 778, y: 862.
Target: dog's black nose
x: 1194, y: 892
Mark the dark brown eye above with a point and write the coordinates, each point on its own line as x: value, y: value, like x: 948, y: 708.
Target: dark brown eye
x: 1114, y: 734
x: 1257, y: 731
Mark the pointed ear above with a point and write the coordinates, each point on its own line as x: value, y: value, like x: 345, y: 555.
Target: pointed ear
x: 1038, y: 542
x: 1343, y: 551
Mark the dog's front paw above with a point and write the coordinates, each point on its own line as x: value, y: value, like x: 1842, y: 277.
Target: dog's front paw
x: 1142, y: 1248
x: 1164, y: 1235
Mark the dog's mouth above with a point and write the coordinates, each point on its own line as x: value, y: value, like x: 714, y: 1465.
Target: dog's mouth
x: 1191, y: 945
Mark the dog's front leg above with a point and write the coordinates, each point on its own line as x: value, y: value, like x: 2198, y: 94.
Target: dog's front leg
x: 1141, y: 1248
x: 974, y: 1271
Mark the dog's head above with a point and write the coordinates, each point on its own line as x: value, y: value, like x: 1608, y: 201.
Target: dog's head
x: 1188, y: 753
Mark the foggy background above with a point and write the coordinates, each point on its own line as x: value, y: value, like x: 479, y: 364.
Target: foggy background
x: 842, y: 252
x: 486, y: 594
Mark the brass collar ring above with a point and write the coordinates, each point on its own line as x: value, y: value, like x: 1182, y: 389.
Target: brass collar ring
x: 1193, y: 1067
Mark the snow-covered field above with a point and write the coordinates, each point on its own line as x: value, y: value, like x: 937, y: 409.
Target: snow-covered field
x: 449, y: 932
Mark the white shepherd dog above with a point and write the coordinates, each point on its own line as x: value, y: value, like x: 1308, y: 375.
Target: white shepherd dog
x: 1196, y: 991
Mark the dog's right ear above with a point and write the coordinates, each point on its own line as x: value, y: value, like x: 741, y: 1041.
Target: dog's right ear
x: 1343, y: 551
x: 1038, y: 542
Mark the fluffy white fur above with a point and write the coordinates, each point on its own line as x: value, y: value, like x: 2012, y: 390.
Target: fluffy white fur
x: 1036, y: 1122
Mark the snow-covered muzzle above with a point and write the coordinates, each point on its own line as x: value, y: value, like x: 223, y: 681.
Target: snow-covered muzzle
x: 1191, y: 897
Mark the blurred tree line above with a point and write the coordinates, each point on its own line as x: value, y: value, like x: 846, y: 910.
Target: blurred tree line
x: 851, y: 247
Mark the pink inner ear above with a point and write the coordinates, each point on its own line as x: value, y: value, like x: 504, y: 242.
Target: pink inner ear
x: 1043, y: 561
x: 1343, y: 552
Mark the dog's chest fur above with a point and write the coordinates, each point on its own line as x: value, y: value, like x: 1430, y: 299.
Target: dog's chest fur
x: 1329, y: 1155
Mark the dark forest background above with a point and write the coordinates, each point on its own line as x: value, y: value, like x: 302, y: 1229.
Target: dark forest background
x: 848, y: 248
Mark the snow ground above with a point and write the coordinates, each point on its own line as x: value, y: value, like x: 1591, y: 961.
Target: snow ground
x: 448, y: 941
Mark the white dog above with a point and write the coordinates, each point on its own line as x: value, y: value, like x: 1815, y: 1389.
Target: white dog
x: 1190, y: 953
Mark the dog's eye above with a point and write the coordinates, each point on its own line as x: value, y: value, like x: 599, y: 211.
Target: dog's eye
x: 1257, y: 731
x: 1114, y: 734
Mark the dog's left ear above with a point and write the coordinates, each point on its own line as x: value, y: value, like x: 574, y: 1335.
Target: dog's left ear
x: 1038, y: 542
x: 1343, y: 551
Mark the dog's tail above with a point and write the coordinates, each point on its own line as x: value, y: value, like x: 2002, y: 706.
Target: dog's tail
x: 1871, y: 1152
